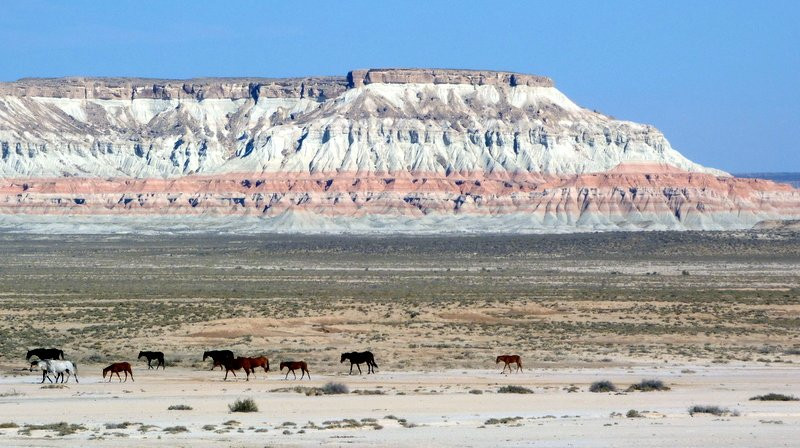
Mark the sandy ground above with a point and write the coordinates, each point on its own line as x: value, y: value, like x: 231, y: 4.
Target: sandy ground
x: 437, y: 407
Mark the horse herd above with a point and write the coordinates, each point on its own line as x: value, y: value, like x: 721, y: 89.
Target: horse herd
x: 51, y: 362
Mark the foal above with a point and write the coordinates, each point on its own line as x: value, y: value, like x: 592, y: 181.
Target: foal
x: 292, y: 366
x: 116, y: 368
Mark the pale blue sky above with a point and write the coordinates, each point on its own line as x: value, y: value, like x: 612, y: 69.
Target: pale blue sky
x: 721, y: 78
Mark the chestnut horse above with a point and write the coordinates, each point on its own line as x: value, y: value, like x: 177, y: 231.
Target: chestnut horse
x: 292, y: 366
x: 232, y: 365
x: 508, y: 360
x: 116, y: 368
x: 260, y: 361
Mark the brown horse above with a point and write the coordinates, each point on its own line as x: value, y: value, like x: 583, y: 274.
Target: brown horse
x: 232, y: 365
x: 292, y: 366
x: 116, y: 368
x: 508, y: 360
x: 260, y: 361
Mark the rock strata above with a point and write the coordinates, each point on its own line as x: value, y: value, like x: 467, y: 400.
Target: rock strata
x: 380, y: 149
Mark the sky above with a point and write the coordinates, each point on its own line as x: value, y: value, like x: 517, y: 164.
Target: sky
x: 721, y: 79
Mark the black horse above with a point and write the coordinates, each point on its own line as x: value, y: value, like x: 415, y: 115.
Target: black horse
x: 45, y: 353
x: 218, y: 356
x: 158, y: 356
x: 359, y: 358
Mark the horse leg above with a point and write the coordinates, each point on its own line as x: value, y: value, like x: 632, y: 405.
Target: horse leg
x: 308, y: 373
x: 131, y: 372
x: 287, y: 375
x: 295, y: 375
x: 351, y: 367
x: 359, y: 369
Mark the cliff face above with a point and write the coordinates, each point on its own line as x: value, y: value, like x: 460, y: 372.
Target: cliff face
x: 386, y: 145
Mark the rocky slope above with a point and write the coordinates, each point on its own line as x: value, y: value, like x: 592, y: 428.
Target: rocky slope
x: 395, y: 149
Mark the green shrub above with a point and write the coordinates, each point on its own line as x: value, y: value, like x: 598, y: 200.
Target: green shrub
x: 243, y: 405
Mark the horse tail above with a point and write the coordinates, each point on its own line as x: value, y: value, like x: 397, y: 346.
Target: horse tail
x: 61, y: 353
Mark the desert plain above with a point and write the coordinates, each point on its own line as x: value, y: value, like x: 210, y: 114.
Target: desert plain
x: 713, y: 316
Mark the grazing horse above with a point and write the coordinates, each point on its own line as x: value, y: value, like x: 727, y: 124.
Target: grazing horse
x: 116, y: 368
x: 232, y: 365
x: 158, y: 356
x: 508, y: 360
x: 57, y: 368
x: 292, y: 366
x: 45, y: 353
x: 218, y: 356
x: 359, y: 358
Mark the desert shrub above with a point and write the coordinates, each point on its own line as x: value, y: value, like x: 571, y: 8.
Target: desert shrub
x: 704, y: 409
x: 475, y: 391
x: 603, y: 386
x: 502, y: 421
x: 514, y: 390
x: 648, y: 386
x: 8, y: 425
x: 61, y: 429
x: 774, y: 397
x: 243, y: 405
x: 175, y: 429
x: 633, y: 413
x: 335, y: 389
x: 179, y: 407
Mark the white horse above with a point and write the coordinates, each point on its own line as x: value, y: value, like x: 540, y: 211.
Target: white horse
x: 57, y: 368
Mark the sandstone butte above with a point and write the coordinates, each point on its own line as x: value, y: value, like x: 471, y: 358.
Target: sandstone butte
x: 380, y: 150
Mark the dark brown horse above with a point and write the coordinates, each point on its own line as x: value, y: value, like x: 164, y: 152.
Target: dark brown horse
x: 358, y: 358
x: 232, y: 365
x: 116, y: 368
x: 218, y: 356
x: 508, y: 360
x: 158, y: 356
x: 294, y: 365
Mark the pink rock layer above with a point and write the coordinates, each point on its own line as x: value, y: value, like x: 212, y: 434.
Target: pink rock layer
x: 632, y: 193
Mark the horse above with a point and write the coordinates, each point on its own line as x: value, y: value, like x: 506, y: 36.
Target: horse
x: 508, y: 360
x: 116, y: 368
x: 359, y: 358
x: 232, y: 365
x: 260, y: 361
x: 292, y: 366
x: 159, y: 356
x: 218, y: 356
x: 45, y: 353
x: 58, y: 368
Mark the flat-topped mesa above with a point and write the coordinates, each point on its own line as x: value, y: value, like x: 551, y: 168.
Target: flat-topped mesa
x: 319, y: 88
x: 358, y: 78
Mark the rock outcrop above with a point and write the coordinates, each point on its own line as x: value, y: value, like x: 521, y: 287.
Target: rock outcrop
x: 380, y: 149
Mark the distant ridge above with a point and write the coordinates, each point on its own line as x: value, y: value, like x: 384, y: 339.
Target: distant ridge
x: 792, y: 179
